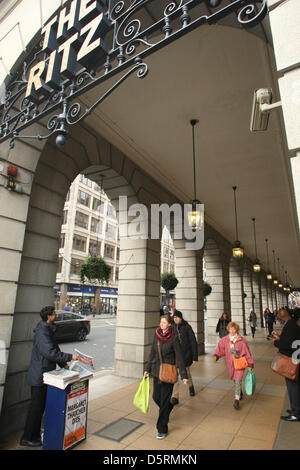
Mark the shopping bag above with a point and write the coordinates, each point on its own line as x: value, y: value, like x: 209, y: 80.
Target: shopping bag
x: 141, y: 398
x: 250, y: 382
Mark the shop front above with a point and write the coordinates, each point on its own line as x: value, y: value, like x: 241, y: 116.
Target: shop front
x: 82, y: 299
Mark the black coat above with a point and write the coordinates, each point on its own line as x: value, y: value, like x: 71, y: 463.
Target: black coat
x: 222, y: 327
x: 290, y: 332
x: 170, y: 353
x: 188, y: 342
x: 45, y: 353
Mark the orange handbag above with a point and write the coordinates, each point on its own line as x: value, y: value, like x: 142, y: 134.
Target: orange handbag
x: 167, y: 372
x: 239, y: 363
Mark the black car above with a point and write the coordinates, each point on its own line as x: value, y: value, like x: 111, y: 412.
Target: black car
x: 71, y: 326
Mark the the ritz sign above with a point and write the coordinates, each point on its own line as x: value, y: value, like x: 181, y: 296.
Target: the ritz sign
x: 74, y: 36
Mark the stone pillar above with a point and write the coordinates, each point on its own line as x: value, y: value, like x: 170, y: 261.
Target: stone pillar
x: 236, y: 293
x: 138, y: 304
x: 257, y: 291
x: 215, y: 302
x: 189, y: 291
x: 248, y: 290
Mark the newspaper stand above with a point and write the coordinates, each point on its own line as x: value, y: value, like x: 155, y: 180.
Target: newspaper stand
x: 66, y: 415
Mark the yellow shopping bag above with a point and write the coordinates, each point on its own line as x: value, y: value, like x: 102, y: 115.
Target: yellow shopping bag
x: 141, y: 398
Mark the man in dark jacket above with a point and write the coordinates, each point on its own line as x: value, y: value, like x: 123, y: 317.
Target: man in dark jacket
x: 189, y: 351
x: 45, y: 355
x: 288, y: 343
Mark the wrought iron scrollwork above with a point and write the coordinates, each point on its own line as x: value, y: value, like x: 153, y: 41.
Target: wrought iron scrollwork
x: 139, y: 28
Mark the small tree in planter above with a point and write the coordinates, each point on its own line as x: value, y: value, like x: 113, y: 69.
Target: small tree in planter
x: 168, y: 281
x: 95, y: 269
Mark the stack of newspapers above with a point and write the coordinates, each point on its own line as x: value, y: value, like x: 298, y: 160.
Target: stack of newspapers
x: 60, y: 378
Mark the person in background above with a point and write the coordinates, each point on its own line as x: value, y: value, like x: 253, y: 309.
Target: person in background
x: 284, y: 342
x: 234, y: 344
x: 45, y: 355
x: 270, y: 320
x: 171, y: 354
x: 252, y: 319
x: 222, y: 325
x: 189, y: 351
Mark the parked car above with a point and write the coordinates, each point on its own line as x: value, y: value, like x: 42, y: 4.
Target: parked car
x: 71, y: 326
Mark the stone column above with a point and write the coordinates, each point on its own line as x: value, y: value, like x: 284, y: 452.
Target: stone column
x: 189, y: 291
x: 138, y: 304
x: 248, y: 290
x: 236, y: 293
x: 215, y: 300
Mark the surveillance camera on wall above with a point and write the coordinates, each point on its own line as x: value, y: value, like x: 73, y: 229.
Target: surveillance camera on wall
x: 261, y: 108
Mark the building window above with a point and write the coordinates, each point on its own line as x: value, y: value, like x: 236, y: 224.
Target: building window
x: 81, y: 220
x: 110, y: 231
x: 84, y: 198
x: 96, y: 225
x: 62, y: 240
x: 98, y: 205
x: 118, y: 254
x: 109, y: 251
x: 75, y: 265
x: 111, y: 211
x: 94, y: 248
x: 85, y: 181
x: 117, y: 274
x: 65, y: 217
x: 172, y: 255
x: 79, y: 243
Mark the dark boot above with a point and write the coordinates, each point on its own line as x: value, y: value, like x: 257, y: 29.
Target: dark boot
x: 192, y: 391
x: 174, y: 401
x: 236, y: 404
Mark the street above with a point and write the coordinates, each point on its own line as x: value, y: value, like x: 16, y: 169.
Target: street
x: 100, y: 344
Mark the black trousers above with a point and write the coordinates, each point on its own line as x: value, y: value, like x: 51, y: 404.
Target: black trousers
x: 36, y: 410
x: 162, y: 394
x: 253, y: 328
x: 293, y: 388
x: 270, y: 328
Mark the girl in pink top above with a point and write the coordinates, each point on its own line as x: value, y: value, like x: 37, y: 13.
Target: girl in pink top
x: 234, y: 344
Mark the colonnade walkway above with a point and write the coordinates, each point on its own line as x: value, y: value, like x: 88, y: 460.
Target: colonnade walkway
x: 206, y: 421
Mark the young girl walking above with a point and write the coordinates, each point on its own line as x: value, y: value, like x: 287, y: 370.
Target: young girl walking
x: 238, y: 357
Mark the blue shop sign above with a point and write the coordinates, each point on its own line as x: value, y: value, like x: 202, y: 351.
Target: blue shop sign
x: 81, y: 289
x: 111, y: 291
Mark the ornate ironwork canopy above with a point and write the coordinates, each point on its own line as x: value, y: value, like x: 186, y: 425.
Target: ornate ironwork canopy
x: 84, y: 45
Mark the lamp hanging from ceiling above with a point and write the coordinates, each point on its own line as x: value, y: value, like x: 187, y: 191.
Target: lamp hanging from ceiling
x: 279, y: 273
x: 275, y: 281
x: 269, y: 274
x: 195, y: 216
x: 256, y: 265
x: 237, y: 249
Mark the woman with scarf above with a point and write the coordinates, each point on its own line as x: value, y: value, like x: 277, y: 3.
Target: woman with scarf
x: 234, y: 345
x: 167, y: 342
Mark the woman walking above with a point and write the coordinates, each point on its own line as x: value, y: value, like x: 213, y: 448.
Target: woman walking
x: 234, y: 346
x: 222, y: 325
x: 252, y: 319
x: 165, y: 349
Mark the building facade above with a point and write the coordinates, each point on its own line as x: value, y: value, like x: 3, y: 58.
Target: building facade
x: 89, y: 228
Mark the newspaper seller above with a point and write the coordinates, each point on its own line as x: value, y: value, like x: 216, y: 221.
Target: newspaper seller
x: 44, y: 357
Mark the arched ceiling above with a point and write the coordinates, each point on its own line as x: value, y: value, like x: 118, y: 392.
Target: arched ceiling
x: 210, y: 74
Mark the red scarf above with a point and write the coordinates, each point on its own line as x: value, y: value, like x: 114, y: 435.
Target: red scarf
x: 166, y: 336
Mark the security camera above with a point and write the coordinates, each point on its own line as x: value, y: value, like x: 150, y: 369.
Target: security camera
x: 261, y: 108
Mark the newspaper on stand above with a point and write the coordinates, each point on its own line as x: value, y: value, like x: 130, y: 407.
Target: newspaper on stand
x: 85, y: 358
x: 60, y: 378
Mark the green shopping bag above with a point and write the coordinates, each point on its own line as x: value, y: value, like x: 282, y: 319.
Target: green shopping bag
x: 141, y: 398
x: 250, y: 382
